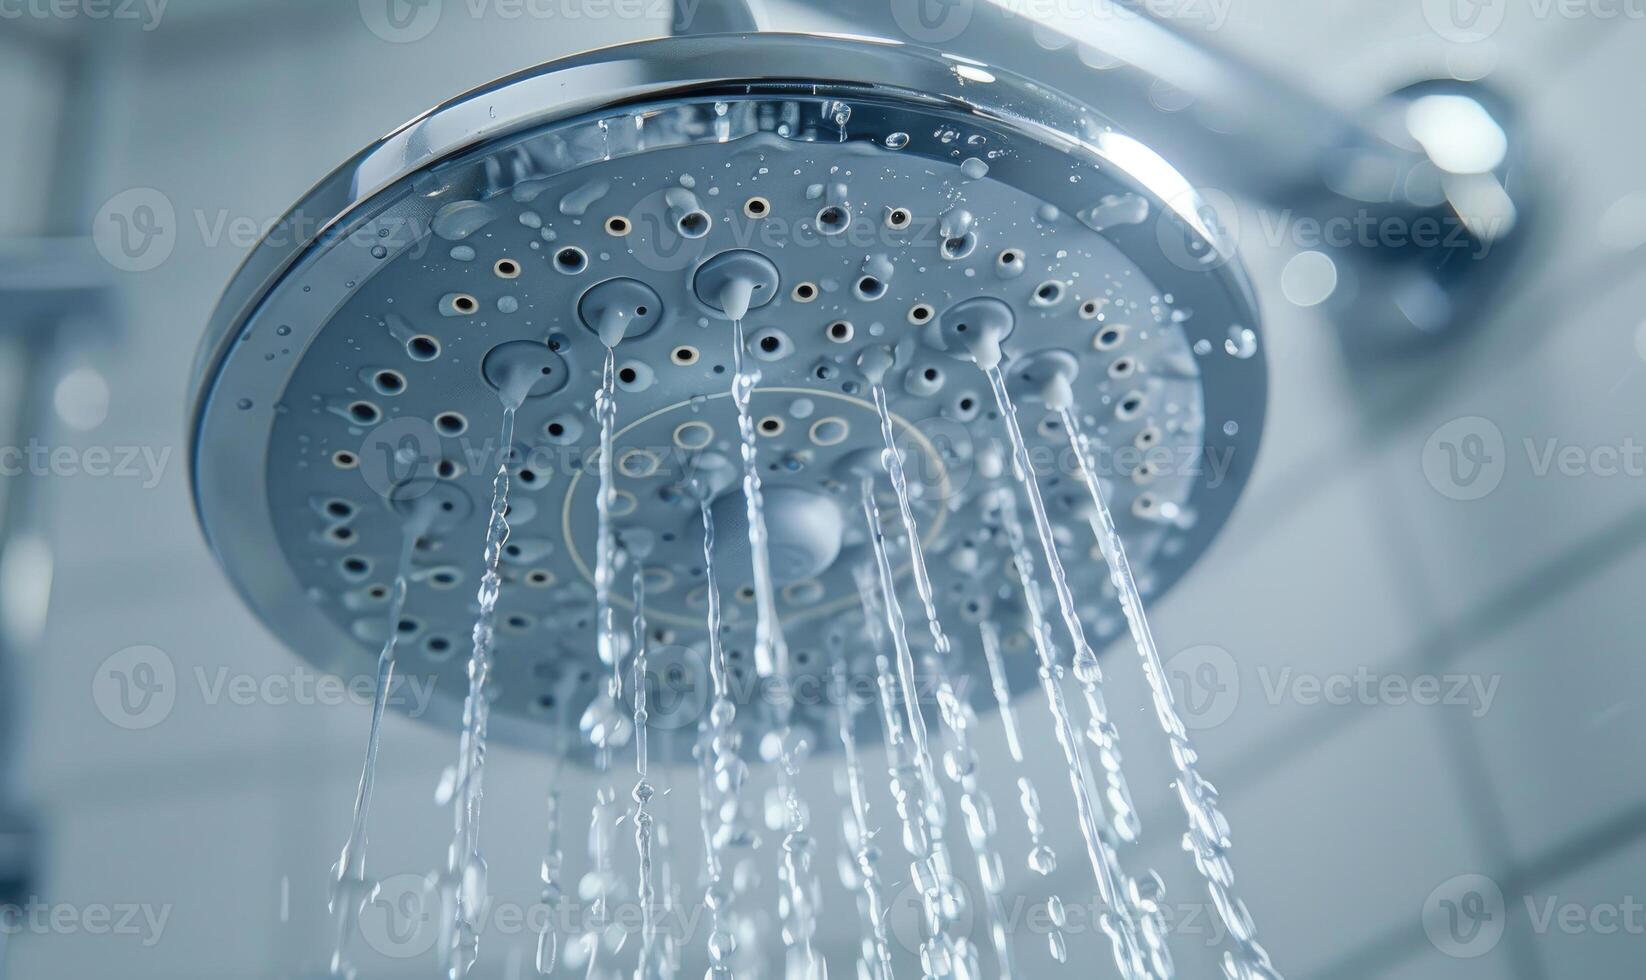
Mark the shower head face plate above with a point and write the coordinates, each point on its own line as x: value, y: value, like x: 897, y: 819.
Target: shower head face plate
x: 355, y: 381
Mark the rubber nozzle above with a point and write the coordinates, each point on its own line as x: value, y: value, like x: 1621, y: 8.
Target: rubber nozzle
x: 874, y: 362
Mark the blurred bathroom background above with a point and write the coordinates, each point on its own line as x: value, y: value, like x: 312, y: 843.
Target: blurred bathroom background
x: 1412, y: 659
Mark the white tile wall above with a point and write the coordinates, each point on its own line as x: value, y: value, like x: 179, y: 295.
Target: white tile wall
x: 1556, y: 742
x: 1589, y: 922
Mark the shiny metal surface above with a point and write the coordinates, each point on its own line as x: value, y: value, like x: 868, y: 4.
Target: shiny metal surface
x: 397, y: 184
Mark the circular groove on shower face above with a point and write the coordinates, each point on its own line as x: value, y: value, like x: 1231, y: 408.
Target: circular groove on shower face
x: 757, y: 155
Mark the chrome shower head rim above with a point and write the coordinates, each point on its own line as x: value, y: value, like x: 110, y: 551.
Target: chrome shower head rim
x: 230, y: 433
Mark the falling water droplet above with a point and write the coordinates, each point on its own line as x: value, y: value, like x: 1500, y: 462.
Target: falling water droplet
x: 1242, y: 342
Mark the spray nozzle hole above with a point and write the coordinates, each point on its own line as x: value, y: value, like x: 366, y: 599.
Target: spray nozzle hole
x: 833, y: 220
x: 1048, y: 293
x: 571, y: 260
x: 958, y: 247
x: 389, y: 382
x: 693, y: 224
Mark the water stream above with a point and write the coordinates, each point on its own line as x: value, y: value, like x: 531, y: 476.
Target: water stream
x: 1042, y: 858
x: 770, y: 651
x: 865, y: 855
x: 1101, y: 732
x: 772, y: 660
x: 942, y: 955
x: 548, y: 940
x: 648, y: 966
x: 1208, y: 836
x: 1117, y: 920
x: 605, y: 572
x: 722, y: 772
x: 350, y: 889
x: 465, y: 880
x: 960, y: 762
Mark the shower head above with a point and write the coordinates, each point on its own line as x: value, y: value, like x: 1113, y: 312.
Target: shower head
x: 874, y: 205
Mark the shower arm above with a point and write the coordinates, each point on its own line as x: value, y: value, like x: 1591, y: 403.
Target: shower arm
x: 1242, y: 135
